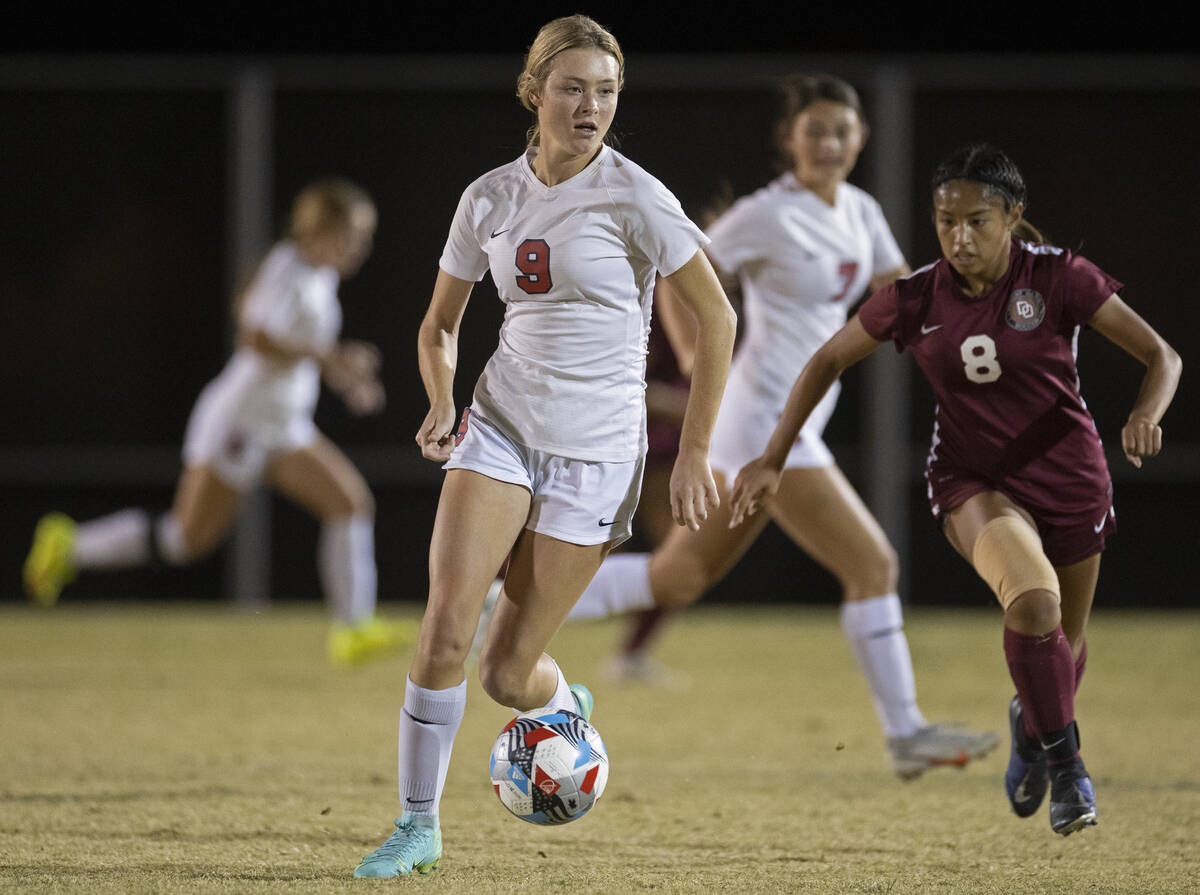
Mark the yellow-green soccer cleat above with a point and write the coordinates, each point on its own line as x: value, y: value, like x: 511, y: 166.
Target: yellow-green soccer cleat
x: 416, y: 845
x: 50, y: 566
x: 371, y: 639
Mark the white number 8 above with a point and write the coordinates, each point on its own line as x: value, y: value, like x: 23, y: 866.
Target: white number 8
x: 979, y: 359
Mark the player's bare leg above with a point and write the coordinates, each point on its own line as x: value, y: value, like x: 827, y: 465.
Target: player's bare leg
x: 689, y: 563
x: 545, y: 578
x: 478, y: 519
x: 819, y: 509
x: 321, y: 479
x: 205, y: 509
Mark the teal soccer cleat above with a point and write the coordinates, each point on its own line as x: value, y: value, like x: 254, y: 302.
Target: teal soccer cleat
x: 416, y: 845
x: 584, y: 700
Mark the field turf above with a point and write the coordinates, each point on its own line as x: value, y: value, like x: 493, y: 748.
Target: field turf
x: 198, y: 749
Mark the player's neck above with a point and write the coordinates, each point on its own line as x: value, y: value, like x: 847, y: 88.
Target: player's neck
x: 977, y: 284
x: 553, y: 167
x: 825, y: 189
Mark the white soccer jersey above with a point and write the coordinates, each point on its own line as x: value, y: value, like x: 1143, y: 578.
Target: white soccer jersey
x: 296, y: 305
x: 575, y: 266
x: 801, y: 264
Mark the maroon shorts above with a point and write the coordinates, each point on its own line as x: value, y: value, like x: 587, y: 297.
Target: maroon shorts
x: 1067, y: 537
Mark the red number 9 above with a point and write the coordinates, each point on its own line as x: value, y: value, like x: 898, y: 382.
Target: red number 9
x: 533, y: 260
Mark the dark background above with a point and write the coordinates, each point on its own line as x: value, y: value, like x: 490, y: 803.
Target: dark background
x: 115, y: 285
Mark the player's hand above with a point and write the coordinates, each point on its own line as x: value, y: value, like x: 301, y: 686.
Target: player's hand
x: 436, y: 435
x: 1140, y: 437
x: 693, y: 489
x: 359, y: 359
x: 755, y: 482
x: 365, y: 397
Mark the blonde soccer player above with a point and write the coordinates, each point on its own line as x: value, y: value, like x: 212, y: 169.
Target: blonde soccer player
x: 546, y: 462
x: 254, y: 423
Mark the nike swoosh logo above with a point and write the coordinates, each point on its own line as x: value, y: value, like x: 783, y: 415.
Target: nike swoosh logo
x: 498, y: 232
x: 1021, y: 795
x: 1096, y: 528
x: 926, y: 330
x: 1055, y: 743
x: 603, y: 523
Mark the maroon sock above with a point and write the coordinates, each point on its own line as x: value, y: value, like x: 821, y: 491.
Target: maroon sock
x: 1043, y: 669
x: 642, y: 627
x: 1080, y: 665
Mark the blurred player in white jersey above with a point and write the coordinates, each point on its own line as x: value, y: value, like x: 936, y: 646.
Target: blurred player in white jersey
x: 547, y: 461
x: 804, y: 249
x: 254, y: 423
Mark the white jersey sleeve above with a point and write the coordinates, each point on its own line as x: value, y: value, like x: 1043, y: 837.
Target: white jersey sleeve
x: 464, y: 255
x: 661, y: 231
x: 740, y: 236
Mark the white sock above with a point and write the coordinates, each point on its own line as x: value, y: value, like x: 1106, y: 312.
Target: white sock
x: 113, y: 542
x: 428, y: 724
x: 169, y: 535
x: 346, y: 559
x: 563, y: 699
x: 875, y: 628
x: 621, y: 584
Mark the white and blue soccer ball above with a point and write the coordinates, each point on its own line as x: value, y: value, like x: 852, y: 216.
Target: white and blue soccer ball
x: 549, y: 768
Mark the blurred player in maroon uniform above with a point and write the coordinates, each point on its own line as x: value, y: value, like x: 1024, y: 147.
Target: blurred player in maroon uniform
x: 1016, y: 471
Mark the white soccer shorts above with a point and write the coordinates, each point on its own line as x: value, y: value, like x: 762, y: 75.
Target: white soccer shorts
x: 578, y: 501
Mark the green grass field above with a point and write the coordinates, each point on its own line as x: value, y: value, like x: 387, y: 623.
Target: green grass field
x: 197, y: 749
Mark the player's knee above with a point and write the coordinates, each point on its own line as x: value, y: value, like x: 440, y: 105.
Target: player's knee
x: 680, y: 583
x: 177, y: 544
x: 1008, y: 555
x: 1034, y: 612
x: 873, y: 575
x: 362, y: 502
x: 501, y: 681
x: 441, y: 650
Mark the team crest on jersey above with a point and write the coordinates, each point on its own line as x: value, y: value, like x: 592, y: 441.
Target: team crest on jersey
x: 1025, y: 310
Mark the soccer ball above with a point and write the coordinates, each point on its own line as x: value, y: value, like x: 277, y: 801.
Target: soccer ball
x: 548, y: 768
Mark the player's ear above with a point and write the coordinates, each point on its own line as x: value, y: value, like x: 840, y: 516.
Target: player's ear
x: 864, y: 134
x: 1014, y: 215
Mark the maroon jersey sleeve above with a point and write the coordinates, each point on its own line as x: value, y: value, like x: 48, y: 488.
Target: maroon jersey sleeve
x: 1083, y: 288
x: 880, y: 314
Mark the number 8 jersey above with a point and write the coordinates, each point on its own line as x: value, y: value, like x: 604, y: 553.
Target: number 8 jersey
x: 1002, y: 368
x: 575, y: 266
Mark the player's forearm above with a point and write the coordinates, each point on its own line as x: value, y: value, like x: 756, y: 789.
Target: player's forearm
x: 1163, y: 369
x: 437, y: 358
x: 275, y: 350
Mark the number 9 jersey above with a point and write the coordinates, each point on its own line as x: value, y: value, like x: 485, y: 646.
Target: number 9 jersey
x: 1009, y: 412
x: 575, y: 265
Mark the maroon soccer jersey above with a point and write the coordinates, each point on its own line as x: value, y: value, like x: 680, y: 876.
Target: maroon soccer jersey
x: 1002, y: 367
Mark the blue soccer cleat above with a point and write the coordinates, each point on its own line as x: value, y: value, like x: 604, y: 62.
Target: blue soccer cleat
x: 1026, y: 779
x: 584, y: 700
x: 416, y: 845
x: 1072, y: 798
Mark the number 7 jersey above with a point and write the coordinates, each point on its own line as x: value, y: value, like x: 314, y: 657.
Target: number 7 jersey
x: 1002, y: 368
